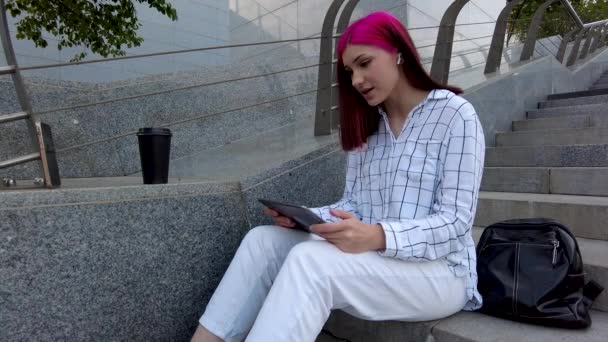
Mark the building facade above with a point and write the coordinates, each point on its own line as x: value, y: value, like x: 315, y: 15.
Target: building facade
x: 208, y: 23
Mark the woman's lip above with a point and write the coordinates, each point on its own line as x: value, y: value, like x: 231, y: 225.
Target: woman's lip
x: 366, y: 92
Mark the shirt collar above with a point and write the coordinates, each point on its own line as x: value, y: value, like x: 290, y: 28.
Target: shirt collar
x: 439, y: 94
x: 435, y: 94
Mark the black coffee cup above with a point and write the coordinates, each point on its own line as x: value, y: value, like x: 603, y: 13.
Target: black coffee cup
x: 154, y: 152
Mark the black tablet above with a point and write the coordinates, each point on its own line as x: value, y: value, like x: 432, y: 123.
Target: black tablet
x: 303, y: 217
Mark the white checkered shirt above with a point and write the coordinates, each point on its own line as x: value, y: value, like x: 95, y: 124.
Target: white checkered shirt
x: 423, y: 186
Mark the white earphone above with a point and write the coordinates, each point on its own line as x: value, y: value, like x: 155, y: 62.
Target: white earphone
x: 399, y: 59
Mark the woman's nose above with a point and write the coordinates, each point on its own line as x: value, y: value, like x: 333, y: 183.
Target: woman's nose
x: 357, y: 80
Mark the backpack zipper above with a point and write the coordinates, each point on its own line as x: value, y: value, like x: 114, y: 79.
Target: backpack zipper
x: 555, y: 245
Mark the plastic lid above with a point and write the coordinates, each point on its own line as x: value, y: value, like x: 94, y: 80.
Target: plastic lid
x: 154, y: 131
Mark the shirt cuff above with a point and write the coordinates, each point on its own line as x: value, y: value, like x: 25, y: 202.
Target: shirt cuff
x: 390, y: 237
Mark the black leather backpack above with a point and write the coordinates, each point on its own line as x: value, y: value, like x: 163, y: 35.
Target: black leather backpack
x: 531, y: 270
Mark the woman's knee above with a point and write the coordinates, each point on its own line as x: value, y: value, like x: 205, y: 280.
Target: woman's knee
x: 261, y: 233
x: 271, y: 239
x: 315, y: 254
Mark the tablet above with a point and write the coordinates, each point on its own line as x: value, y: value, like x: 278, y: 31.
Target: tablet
x: 303, y: 217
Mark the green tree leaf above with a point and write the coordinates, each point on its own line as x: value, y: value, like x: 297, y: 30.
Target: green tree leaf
x: 102, y: 26
x: 556, y: 21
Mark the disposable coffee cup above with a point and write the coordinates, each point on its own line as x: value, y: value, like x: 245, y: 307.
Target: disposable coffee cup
x: 154, y: 152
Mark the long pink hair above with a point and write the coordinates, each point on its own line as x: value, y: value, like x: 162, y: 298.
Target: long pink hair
x: 358, y: 120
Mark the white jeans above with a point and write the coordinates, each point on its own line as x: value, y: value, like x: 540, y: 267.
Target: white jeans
x: 283, y: 283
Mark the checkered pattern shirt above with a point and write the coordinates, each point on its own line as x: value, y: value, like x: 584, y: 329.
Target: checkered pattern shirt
x: 422, y: 187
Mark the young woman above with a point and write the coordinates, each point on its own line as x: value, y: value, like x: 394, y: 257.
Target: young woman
x: 398, y: 245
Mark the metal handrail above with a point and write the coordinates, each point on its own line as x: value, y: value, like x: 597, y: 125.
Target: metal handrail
x: 200, y: 85
x: 220, y: 47
x: 579, y: 22
x: 468, y: 66
x: 90, y: 104
x: 470, y: 52
x: 441, y: 60
x: 443, y: 55
x: 45, y: 66
x: 39, y: 133
x: 130, y: 133
x: 474, y: 50
x: 265, y: 14
x: 154, y: 54
x: 195, y: 118
x: 596, y: 23
x: 463, y: 40
x: 573, y: 13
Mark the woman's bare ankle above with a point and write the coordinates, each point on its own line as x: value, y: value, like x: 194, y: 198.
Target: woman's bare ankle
x: 203, y: 335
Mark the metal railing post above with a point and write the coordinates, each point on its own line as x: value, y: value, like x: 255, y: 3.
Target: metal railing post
x: 498, y: 40
x: 442, y: 57
x: 343, y: 22
x: 22, y: 97
x: 594, y: 37
x: 575, y: 48
x: 595, y: 44
x: 602, y: 40
x: 39, y: 133
x: 323, y: 112
x: 537, y: 19
x: 587, y: 45
x: 561, y: 52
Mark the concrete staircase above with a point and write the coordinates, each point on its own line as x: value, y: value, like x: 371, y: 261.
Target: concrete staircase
x: 554, y: 164
x: 602, y: 83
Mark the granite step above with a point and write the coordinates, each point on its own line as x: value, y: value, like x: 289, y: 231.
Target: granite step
x: 471, y: 326
x: 585, y: 215
x: 603, y: 77
x: 461, y: 327
x: 564, y: 122
x: 585, y: 181
x: 590, y: 109
x: 574, y: 101
x: 476, y: 327
x: 575, y: 94
x: 579, y: 136
x: 599, y: 86
x: 601, y: 82
x: 556, y: 156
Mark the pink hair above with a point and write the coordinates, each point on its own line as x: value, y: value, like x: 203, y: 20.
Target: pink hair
x: 358, y: 120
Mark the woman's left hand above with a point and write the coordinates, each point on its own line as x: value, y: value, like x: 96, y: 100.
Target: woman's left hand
x: 351, y: 235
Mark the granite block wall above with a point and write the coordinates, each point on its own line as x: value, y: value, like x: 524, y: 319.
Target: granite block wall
x: 314, y: 180
x: 127, y: 262
x: 124, y: 264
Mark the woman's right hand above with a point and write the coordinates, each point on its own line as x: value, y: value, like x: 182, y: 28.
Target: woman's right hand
x: 279, y: 220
